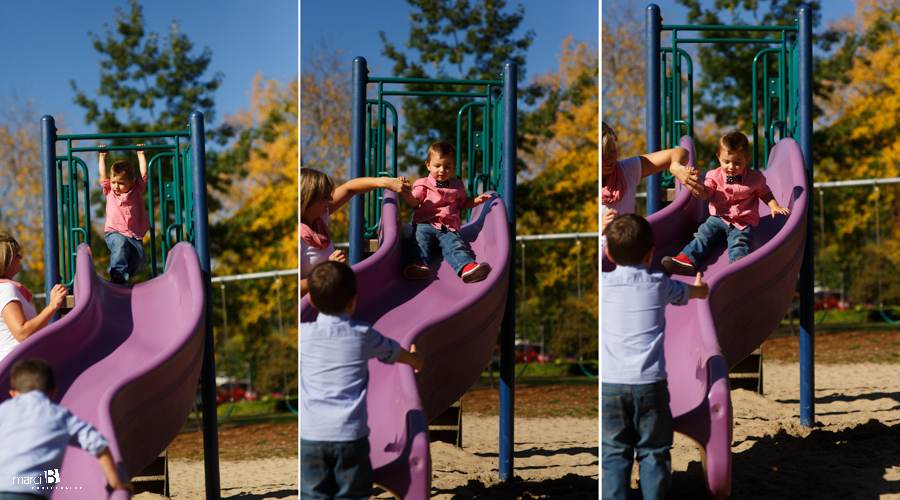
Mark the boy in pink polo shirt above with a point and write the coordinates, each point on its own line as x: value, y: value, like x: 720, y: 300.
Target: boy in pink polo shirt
x: 438, y: 199
x: 126, y: 219
x: 733, y: 209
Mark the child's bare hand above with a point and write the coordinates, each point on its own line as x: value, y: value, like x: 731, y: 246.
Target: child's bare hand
x: 397, y: 185
x: 481, y: 199
x: 140, y: 152
x: 101, y: 154
x: 58, y: 296
x: 781, y: 210
x: 417, y: 361
x: 689, y: 177
x: 702, y: 288
x: 338, y: 256
x: 608, y: 217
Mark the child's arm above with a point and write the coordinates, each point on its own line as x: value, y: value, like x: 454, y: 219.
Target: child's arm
x: 412, y: 358
x: 407, y: 195
x: 142, y: 161
x: 474, y: 202
x: 770, y: 200
x: 102, y: 156
x: 699, y: 290
x: 112, y: 474
x: 360, y: 185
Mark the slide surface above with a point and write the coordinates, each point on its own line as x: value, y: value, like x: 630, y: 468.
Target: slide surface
x: 453, y: 324
x: 127, y: 360
x: 747, y: 301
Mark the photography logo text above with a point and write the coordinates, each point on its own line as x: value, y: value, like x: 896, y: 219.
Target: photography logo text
x: 49, y: 480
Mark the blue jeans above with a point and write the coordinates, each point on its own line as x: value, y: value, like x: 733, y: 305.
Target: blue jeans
x: 455, y: 250
x: 636, y: 417
x: 335, y: 469
x: 713, y: 231
x: 126, y: 255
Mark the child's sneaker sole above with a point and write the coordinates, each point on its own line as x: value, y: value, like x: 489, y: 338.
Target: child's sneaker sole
x: 477, y: 273
x: 414, y: 272
x: 677, y: 267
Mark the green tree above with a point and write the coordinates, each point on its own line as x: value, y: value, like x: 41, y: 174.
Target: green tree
x: 726, y: 67
x: 150, y: 83
x: 453, y: 39
x: 141, y: 75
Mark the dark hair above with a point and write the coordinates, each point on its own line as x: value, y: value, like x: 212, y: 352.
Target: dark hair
x: 32, y: 374
x: 331, y: 287
x: 122, y: 167
x: 734, y: 142
x: 442, y: 149
x: 629, y: 237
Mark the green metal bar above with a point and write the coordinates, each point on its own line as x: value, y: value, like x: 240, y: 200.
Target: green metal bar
x: 707, y: 27
x: 128, y: 135
x: 432, y: 81
x: 423, y: 93
x: 729, y: 40
x: 123, y: 148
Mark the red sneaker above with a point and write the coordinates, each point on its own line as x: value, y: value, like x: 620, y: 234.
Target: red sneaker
x: 475, y: 272
x: 679, y: 265
x: 416, y: 271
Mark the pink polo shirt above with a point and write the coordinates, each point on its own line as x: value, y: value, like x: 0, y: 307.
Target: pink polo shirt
x: 439, y: 205
x: 736, y: 204
x: 125, y: 212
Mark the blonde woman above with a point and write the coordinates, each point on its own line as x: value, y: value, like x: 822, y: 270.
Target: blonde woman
x: 319, y: 198
x: 18, y: 319
x: 621, y: 178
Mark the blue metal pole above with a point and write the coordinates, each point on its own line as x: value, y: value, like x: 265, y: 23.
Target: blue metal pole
x: 208, y: 370
x: 508, y: 325
x: 357, y: 154
x: 653, y: 28
x: 51, y: 217
x: 807, y: 319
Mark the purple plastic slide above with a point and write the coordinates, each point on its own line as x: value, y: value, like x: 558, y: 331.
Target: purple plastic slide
x: 454, y: 325
x: 747, y: 301
x: 127, y: 359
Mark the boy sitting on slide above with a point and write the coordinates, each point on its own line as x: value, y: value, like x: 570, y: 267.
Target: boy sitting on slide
x: 438, y: 199
x: 733, y: 208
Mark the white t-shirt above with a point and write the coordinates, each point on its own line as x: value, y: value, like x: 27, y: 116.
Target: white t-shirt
x: 310, y: 256
x: 9, y: 293
x: 632, y: 168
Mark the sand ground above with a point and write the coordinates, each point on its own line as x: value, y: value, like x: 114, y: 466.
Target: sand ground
x: 853, y: 451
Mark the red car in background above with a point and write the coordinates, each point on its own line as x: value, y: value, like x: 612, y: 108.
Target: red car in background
x: 235, y: 391
x: 526, y: 352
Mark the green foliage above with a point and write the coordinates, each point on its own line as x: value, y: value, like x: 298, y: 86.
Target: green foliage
x: 140, y: 74
x: 150, y: 83
x: 726, y: 80
x: 454, y: 39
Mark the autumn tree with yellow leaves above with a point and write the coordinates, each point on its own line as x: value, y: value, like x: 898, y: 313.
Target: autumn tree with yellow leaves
x: 258, y: 232
x: 20, y: 185
x: 858, y: 137
x: 562, y: 197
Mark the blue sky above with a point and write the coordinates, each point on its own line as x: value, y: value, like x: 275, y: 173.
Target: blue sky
x: 353, y: 26
x: 47, y: 44
x: 674, y: 13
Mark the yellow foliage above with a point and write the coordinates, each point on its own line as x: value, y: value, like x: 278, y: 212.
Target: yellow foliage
x: 261, y: 215
x: 624, y: 75
x: 564, y: 195
x: 20, y: 177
